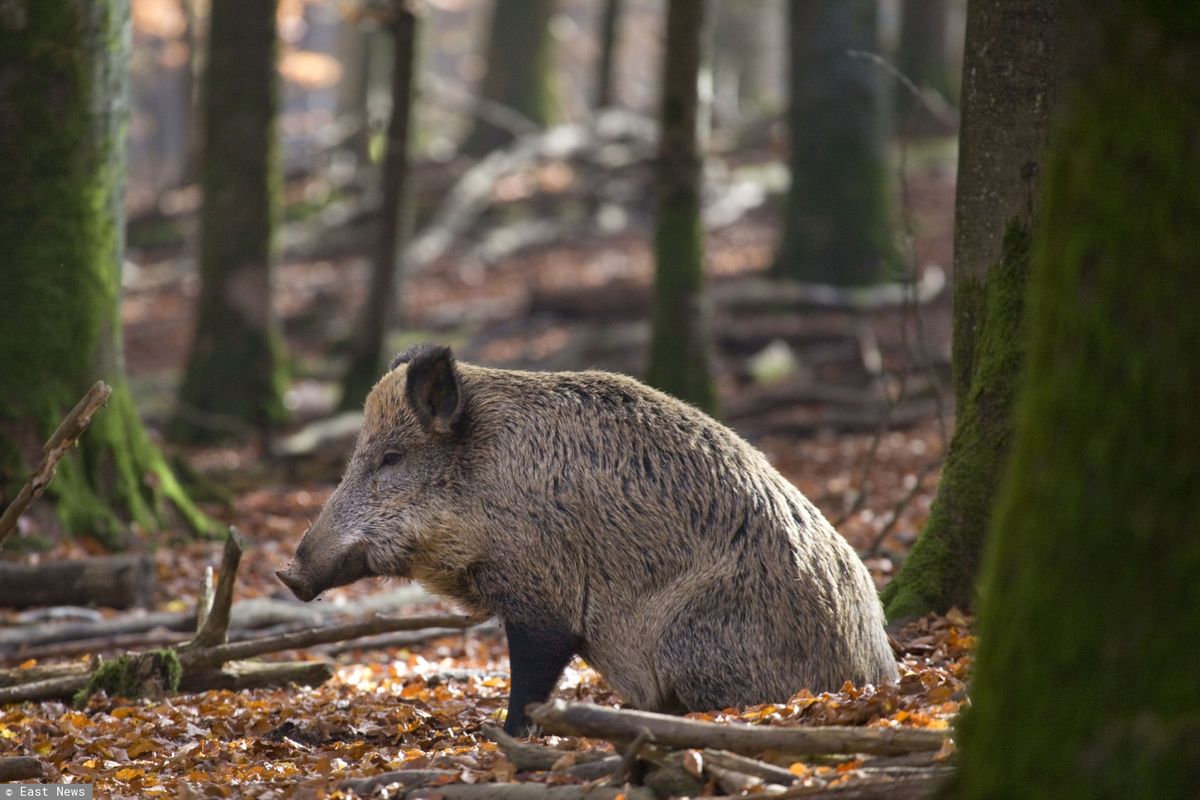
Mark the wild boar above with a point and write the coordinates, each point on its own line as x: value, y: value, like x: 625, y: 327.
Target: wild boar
x: 596, y: 516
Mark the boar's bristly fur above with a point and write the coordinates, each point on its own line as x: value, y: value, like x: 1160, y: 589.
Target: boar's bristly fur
x: 596, y: 516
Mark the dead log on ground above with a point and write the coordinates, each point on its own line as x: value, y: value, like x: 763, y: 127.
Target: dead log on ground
x: 529, y: 791
x: 920, y: 787
x: 403, y: 777
x: 59, y: 444
x: 528, y: 757
x: 20, y: 768
x: 624, y: 725
x: 120, y: 581
x: 238, y: 675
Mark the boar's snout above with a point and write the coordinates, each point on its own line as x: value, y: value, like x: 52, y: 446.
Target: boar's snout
x: 290, y: 578
x: 323, y: 561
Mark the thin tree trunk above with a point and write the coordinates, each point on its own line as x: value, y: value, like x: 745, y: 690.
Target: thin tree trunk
x: 610, y: 26
x: 679, y: 349
x: 941, y: 569
x: 837, y: 227
x: 234, y: 379
x: 924, y: 54
x: 1006, y: 107
x: 1086, y: 678
x: 63, y: 113
x: 366, y: 354
x: 520, y: 74
x: 354, y: 53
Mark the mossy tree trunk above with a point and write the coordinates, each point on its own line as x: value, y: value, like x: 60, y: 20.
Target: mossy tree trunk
x: 234, y: 379
x: 63, y: 112
x: 366, y: 347
x: 940, y: 571
x: 520, y: 73
x: 609, y: 36
x: 1011, y: 71
x: 837, y: 219
x: 923, y: 54
x: 679, y: 348
x: 942, y: 567
x: 1086, y: 684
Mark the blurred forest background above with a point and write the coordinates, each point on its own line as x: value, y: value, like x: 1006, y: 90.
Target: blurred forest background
x: 515, y: 220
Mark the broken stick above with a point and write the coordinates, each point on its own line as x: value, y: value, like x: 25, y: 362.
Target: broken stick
x: 61, y: 441
x: 583, y: 719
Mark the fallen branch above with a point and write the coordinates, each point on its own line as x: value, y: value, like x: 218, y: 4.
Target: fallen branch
x: 61, y: 441
x: 238, y: 675
x: 534, y: 757
x: 403, y: 777
x: 120, y: 581
x: 582, y: 719
x: 748, y: 766
x: 20, y: 768
x: 529, y: 791
x: 914, y: 788
x: 213, y: 625
x: 214, y: 656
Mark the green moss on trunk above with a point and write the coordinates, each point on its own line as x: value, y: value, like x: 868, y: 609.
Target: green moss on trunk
x: 235, y: 375
x: 1086, y: 684
x: 837, y: 226
x: 679, y: 349
x: 940, y: 571
x: 520, y: 74
x: 62, y: 123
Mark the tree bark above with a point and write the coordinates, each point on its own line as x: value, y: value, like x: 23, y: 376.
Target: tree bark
x: 680, y: 342
x: 941, y: 568
x: 1085, y: 684
x: 234, y: 379
x: 1011, y: 72
x: 367, y: 346
x: 520, y: 74
x: 607, y: 41
x: 63, y: 111
x: 123, y: 581
x: 836, y: 225
x: 989, y: 332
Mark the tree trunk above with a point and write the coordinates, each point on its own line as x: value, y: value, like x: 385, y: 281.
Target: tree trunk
x: 234, y: 379
x: 610, y: 23
x: 366, y: 353
x: 520, y: 74
x: 1086, y: 679
x: 836, y: 228
x: 924, y: 55
x: 940, y: 571
x: 1006, y: 103
x: 679, y: 348
x: 354, y: 54
x: 63, y: 111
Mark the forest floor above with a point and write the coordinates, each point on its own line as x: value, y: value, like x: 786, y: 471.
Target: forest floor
x: 422, y: 705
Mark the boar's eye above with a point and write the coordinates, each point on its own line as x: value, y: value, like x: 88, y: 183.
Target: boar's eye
x: 391, y: 458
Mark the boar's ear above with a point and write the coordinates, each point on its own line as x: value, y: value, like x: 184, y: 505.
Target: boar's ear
x: 433, y: 389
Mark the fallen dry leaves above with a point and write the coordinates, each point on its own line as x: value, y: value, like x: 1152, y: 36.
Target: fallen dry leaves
x: 413, y: 710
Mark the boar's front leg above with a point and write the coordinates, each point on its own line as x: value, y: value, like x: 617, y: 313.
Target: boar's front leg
x: 538, y: 656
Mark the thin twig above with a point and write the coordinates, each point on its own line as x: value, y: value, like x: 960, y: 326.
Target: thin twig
x: 61, y: 441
